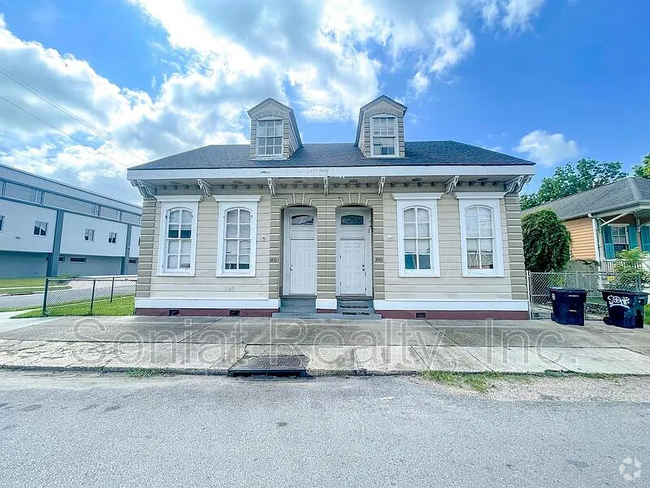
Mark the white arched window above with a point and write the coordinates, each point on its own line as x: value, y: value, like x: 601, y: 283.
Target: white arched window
x: 479, y: 235
x: 417, y: 234
x: 417, y: 238
x: 177, y: 245
x: 178, y: 239
x: 238, y: 239
x: 480, y: 229
x: 237, y: 234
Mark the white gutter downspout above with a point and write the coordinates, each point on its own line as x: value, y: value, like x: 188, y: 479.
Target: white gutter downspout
x: 594, y: 226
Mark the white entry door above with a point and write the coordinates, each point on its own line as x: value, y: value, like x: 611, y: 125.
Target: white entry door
x: 302, y: 268
x: 299, y: 251
x: 352, y: 267
x: 354, y: 251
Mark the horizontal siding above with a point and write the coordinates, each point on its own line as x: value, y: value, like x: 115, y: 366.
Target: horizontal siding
x: 386, y: 281
x: 205, y: 283
x: 146, y: 260
x: 516, y: 248
x: 451, y: 284
x: 582, y: 238
x: 326, y: 206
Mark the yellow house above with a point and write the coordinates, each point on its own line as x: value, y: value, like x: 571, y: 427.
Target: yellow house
x: 606, y: 220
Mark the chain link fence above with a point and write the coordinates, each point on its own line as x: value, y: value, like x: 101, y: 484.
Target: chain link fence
x: 89, y: 296
x: 592, y: 282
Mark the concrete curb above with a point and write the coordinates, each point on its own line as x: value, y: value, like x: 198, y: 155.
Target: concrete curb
x: 310, y: 372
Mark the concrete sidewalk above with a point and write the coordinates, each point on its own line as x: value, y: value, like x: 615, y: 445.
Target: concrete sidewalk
x: 209, y: 345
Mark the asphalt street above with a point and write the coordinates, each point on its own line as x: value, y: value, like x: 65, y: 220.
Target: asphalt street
x: 112, y: 430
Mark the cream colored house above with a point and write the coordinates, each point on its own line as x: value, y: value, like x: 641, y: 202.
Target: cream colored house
x: 378, y: 226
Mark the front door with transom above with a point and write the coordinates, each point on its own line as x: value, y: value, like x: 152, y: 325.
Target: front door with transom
x: 299, y: 251
x: 354, y: 252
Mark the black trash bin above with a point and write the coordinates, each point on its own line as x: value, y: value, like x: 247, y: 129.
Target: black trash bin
x: 568, y: 305
x: 625, y: 308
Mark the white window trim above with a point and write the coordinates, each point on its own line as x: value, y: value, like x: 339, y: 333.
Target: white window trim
x: 226, y: 203
x: 167, y: 203
x: 491, y: 200
x: 111, y: 235
x: 430, y: 202
x: 89, y: 235
x: 627, y: 234
x: 2, y: 223
x: 372, y: 146
x: 257, y: 148
x: 47, y: 225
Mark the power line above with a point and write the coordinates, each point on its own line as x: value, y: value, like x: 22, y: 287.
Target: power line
x: 70, y: 114
x: 15, y: 153
x: 58, y: 129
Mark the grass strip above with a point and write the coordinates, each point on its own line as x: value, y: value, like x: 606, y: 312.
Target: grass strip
x: 103, y: 306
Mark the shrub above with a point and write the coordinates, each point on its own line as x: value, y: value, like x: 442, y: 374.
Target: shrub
x: 630, y: 271
x: 547, y: 241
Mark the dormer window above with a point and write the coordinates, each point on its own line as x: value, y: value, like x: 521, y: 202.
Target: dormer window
x: 383, y: 134
x: 269, y: 137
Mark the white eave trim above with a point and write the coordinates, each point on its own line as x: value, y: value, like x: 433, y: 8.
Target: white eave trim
x: 479, y: 195
x: 418, y: 196
x: 333, y: 172
x: 237, y: 198
x: 178, y: 198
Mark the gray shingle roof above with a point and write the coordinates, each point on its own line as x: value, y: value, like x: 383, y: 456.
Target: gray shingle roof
x: 620, y: 194
x: 421, y: 153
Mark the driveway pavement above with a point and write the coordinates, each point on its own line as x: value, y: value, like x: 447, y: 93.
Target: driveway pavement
x: 212, y: 345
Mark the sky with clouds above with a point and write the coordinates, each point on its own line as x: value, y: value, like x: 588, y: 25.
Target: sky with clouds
x: 88, y: 89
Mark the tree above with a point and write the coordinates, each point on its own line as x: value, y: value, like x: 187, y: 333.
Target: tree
x: 569, y: 179
x: 643, y: 170
x: 547, y: 241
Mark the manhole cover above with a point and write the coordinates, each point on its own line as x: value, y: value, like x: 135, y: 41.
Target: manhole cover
x: 270, y: 365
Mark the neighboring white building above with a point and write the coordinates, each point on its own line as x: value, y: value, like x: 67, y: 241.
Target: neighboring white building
x: 48, y: 228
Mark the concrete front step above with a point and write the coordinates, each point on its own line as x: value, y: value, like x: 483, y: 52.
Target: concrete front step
x: 298, y: 305
x: 355, y: 306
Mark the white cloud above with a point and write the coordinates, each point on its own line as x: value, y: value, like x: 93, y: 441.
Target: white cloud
x: 547, y: 149
x: 223, y: 57
x: 69, y: 81
x: 512, y: 15
x: 518, y: 13
x: 322, y: 49
x: 419, y: 83
x: 496, y: 148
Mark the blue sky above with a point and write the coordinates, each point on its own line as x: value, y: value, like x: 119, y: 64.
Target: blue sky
x: 551, y: 81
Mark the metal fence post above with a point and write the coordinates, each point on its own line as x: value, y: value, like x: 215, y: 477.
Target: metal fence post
x: 530, y: 295
x: 47, y: 283
x: 112, y: 288
x: 92, y: 297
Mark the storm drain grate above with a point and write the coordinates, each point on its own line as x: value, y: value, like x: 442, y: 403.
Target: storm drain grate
x: 270, y: 366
